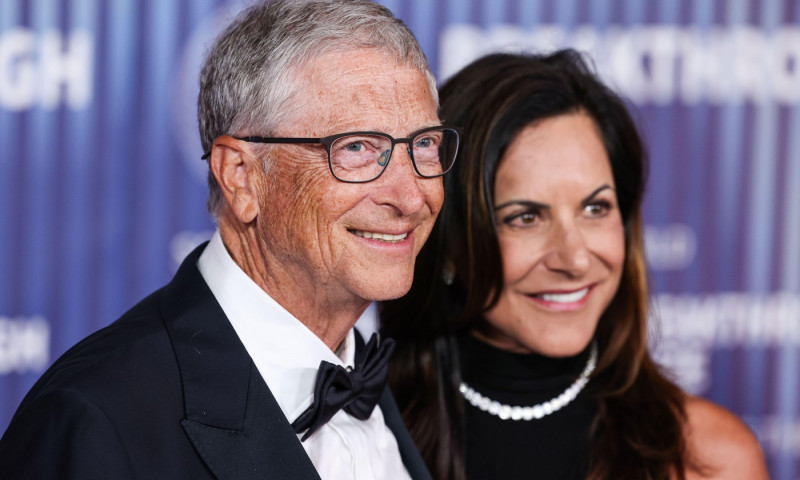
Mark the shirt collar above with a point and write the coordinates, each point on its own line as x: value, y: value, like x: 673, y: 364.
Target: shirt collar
x: 285, y: 351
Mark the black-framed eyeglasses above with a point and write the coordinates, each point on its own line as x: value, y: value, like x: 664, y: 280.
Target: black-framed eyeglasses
x: 360, y: 157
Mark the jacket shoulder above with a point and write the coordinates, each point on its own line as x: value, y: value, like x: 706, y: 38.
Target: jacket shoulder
x: 113, y: 351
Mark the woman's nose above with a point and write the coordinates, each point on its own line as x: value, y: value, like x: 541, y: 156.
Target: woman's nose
x: 567, y: 251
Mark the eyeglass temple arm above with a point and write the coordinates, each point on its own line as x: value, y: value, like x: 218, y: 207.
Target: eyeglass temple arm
x: 257, y: 139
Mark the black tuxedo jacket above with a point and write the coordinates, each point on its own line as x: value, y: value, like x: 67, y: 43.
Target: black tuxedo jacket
x: 168, y: 391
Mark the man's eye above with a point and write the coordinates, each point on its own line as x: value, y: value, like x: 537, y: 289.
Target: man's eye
x: 354, y: 147
x: 423, y: 143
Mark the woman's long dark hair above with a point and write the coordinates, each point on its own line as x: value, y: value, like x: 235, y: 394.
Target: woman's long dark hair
x: 638, y: 430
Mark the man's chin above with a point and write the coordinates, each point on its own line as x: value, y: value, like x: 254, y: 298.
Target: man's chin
x: 379, y: 293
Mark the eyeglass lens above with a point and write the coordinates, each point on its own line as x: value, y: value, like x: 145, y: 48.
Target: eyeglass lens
x: 362, y: 157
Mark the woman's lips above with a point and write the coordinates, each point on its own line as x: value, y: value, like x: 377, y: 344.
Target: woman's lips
x: 562, y: 301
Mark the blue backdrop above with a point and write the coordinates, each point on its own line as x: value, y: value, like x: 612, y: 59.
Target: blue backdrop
x: 102, y: 190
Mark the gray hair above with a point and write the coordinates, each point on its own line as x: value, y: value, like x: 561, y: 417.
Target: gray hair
x: 246, y: 80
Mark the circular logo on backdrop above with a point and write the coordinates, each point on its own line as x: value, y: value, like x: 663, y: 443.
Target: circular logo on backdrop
x: 186, y: 86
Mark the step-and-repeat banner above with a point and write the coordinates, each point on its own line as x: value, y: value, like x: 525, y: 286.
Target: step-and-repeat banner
x: 102, y: 190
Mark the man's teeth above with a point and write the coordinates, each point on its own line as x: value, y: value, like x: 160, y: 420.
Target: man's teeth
x: 384, y: 237
x: 564, y: 297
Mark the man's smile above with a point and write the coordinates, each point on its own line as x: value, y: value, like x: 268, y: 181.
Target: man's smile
x: 384, y: 237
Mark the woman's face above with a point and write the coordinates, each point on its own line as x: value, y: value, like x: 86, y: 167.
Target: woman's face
x: 561, y: 238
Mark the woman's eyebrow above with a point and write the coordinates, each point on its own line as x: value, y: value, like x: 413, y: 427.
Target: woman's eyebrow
x: 524, y: 203
x: 596, y: 191
x: 540, y: 205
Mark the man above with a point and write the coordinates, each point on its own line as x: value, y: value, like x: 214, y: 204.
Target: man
x: 319, y: 121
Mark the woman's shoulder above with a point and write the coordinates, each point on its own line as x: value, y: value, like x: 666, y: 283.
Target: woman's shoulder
x: 721, y: 443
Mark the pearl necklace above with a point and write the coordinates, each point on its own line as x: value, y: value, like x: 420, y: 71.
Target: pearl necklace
x: 538, y: 411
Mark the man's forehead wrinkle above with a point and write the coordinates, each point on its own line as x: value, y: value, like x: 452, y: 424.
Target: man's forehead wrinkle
x: 350, y: 105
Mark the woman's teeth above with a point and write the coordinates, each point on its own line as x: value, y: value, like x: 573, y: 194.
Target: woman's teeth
x: 564, y: 297
x: 384, y: 237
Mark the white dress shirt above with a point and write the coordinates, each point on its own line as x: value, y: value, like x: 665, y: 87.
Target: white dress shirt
x: 287, y: 354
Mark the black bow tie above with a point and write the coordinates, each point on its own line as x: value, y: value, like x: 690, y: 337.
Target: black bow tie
x: 357, y: 391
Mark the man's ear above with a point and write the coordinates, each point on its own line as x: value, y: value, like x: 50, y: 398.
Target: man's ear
x: 236, y: 172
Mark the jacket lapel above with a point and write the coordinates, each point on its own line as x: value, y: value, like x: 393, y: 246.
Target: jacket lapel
x: 394, y: 420
x: 408, y: 450
x: 232, y: 418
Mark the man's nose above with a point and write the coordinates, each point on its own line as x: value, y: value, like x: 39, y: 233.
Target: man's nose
x: 402, y: 184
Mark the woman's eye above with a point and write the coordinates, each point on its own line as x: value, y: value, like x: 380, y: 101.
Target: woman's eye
x: 524, y: 219
x: 598, y: 208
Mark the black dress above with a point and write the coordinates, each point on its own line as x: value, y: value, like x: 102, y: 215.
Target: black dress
x: 553, y: 447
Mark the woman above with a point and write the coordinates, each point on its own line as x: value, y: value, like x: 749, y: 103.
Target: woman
x: 531, y: 293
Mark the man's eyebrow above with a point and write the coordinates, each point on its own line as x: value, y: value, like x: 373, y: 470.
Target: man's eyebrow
x: 436, y: 123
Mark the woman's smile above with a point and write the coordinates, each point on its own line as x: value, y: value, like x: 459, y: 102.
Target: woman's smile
x: 562, y: 300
